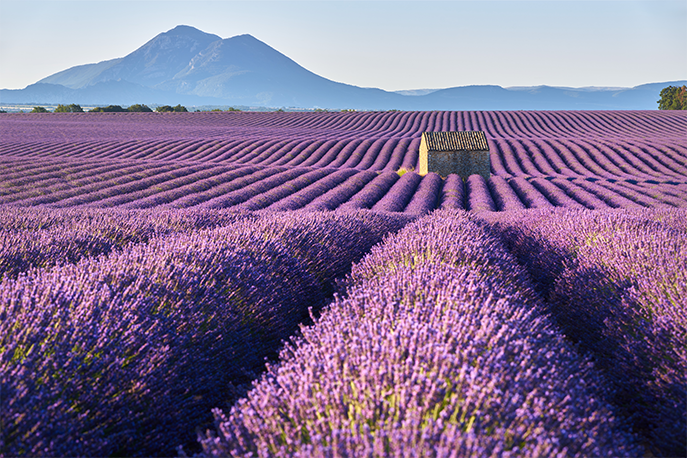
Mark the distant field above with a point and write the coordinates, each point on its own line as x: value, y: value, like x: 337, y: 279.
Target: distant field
x: 325, y: 160
x: 285, y: 284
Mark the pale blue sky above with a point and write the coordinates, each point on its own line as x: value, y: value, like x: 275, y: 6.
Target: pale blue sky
x: 391, y: 45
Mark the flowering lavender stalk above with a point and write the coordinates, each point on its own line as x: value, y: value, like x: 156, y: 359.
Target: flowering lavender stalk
x: 325, y: 154
x: 344, y: 154
x: 385, y: 154
x: 39, y: 188
x: 359, y: 153
x: 638, y: 199
x: 411, y: 157
x: 440, y: 348
x: 616, y: 283
x: 190, y: 185
x: 398, y: 154
x: 297, y: 157
x: 526, y: 147
x: 169, y: 183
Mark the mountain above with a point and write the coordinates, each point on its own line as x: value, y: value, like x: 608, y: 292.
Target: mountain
x: 199, y: 68
x: 191, y: 67
x: 153, y: 63
x: 643, y: 97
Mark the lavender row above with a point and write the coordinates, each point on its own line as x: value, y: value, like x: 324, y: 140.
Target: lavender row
x: 182, y: 185
x: 602, y: 159
x: 69, y: 179
x: 373, y: 154
x: 426, y: 197
x: 42, y: 237
x: 305, y: 196
x: 285, y: 190
x: 372, y: 192
x: 440, y: 348
x: 67, y: 191
x: 18, y: 128
x: 337, y: 195
x: 117, y: 355
x: 452, y: 193
x: 254, y: 190
x: 398, y: 196
x: 586, y: 158
x: 189, y: 187
x: 616, y: 283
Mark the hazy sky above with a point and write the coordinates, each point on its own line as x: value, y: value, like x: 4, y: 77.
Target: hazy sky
x: 391, y: 45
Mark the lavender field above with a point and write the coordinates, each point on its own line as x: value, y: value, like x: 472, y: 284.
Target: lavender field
x: 285, y: 284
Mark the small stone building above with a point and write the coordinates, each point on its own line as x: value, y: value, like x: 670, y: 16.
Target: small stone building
x: 463, y: 153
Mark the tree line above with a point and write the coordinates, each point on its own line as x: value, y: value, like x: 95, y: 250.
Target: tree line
x: 137, y: 108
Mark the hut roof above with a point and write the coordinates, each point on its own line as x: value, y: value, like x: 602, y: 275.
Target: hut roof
x: 456, y: 141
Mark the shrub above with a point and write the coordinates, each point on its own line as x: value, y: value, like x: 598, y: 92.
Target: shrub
x: 170, y: 109
x: 109, y: 109
x: 72, y: 108
x: 138, y: 108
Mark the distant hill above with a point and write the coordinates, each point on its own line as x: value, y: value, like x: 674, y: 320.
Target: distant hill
x: 191, y: 67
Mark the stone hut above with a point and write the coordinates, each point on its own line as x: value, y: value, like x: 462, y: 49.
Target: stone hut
x: 463, y: 153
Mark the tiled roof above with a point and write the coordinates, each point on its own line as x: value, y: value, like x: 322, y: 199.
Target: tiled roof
x: 456, y: 141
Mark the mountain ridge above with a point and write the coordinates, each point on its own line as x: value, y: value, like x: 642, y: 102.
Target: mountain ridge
x: 186, y: 65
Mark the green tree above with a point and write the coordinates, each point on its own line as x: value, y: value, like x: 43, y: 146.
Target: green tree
x: 169, y: 109
x: 109, y: 109
x: 72, y: 108
x: 39, y: 110
x: 138, y: 108
x: 673, y: 98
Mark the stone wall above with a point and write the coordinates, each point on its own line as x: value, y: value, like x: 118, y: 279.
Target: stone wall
x: 463, y: 163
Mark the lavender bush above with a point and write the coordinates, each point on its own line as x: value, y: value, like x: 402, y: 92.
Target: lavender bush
x: 440, y: 347
x: 43, y: 237
x: 117, y: 355
x: 616, y: 283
